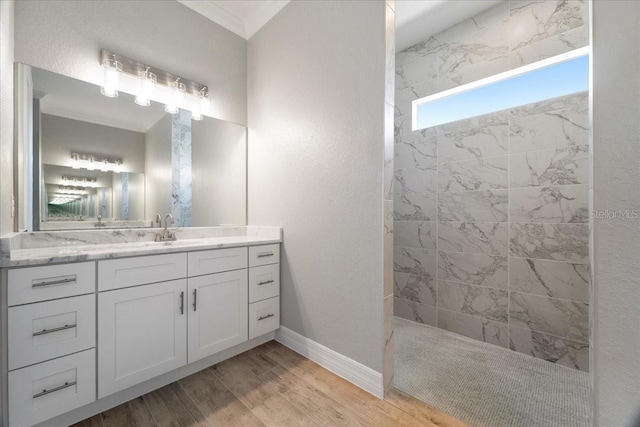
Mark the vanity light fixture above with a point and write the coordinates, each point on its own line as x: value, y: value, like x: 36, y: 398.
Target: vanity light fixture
x: 147, y: 82
x: 112, y: 69
x: 177, y: 96
x: 93, y: 162
x: 146, y: 85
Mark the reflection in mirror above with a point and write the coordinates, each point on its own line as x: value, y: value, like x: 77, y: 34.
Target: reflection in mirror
x: 108, y: 162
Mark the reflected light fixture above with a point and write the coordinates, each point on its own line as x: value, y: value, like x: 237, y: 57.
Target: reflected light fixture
x: 93, y: 161
x: 202, y: 106
x: 112, y: 69
x: 145, y: 87
x: 177, y: 97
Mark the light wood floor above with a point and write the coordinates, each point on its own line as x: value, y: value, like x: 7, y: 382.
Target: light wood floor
x: 270, y: 385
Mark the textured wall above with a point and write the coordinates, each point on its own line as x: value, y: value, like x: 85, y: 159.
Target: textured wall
x: 6, y: 115
x: 616, y: 156
x: 316, y: 151
x: 491, y: 211
x: 66, y: 37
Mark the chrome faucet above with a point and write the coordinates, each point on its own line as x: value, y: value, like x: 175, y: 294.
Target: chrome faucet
x: 166, y: 235
x: 99, y: 223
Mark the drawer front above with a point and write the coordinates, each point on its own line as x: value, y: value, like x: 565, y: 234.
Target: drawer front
x: 264, y: 254
x: 264, y: 282
x: 43, y: 331
x: 264, y: 316
x: 122, y: 273
x: 46, y: 390
x: 34, y: 284
x: 217, y: 261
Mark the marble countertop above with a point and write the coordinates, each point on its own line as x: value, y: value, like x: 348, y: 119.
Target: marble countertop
x: 67, y: 247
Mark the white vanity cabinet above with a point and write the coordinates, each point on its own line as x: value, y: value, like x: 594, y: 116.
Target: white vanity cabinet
x: 80, y: 332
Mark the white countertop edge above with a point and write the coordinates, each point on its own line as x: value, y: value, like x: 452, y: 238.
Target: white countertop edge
x: 57, y: 255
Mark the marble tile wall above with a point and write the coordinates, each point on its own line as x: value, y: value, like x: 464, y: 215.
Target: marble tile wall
x: 181, y: 203
x: 491, y: 212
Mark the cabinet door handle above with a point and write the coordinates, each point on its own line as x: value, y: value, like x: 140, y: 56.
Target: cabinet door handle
x: 49, y: 331
x: 70, y: 279
x: 195, y: 298
x: 265, y: 317
x: 266, y: 282
x: 265, y: 254
x: 53, y: 390
x: 182, y: 302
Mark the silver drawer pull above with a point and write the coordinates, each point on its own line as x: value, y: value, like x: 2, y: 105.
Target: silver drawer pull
x: 55, y: 282
x: 49, y: 331
x: 265, y: 317
x: 53, y: 390
x: 266, y: 282
x: 265, y: 254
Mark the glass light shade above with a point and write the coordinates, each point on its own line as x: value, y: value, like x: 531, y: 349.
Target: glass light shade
x: 145, y: 87
x: 205, y: 103
x: 196, y: 113
x: 112, y: 70
x: 177, y: 98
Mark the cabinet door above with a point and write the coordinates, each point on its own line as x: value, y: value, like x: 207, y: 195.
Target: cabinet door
x: 218, y: 313
x: 142, y: 333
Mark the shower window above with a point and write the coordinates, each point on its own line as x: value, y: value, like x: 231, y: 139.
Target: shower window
x: 557, y: 76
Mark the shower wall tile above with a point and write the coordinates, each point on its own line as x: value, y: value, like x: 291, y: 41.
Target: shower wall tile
x: 562, y: 318
x: 415, y: 312
x: 471, y: 175
x: 474, y: 327
x: 562, y: 166
x: 489, y: 238
x: 552, y: 46
x: 419, y: 262
x: 417, y: 51
x: 471, y: 73
x: 473, y: 269
x: 533, y: 21
x: 417, y: 152
x: 415, y: 207
x: 416, y: 181
x: 488, y: 303
x: 414, y: 234
x: 565, y: 352
x: 550, y: 278
x: 479, y: 206
x: 556, y: 204
x: 474, y: 138
x: 560, y: 242
x: 545, y: 125
x: 418, y: 289
x: 388, y: 152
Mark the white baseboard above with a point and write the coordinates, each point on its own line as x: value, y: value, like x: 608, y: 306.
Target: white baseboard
x: 352, y: 371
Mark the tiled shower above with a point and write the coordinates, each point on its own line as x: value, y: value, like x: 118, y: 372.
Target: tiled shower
x: 491, y: 212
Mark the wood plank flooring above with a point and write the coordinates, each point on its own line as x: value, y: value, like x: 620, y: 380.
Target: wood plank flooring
x: 270, y: 385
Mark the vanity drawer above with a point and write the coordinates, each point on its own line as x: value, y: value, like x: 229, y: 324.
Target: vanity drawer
x: 264, y: 282
x: 264, y: 254
x: 50, y: 329
x: 126, y: 272
x: 264, y: 316
x: 216, y: 261
x: 33, y: 284
x: 43, y: 391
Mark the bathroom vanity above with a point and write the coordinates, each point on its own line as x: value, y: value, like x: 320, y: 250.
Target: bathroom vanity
x: 91, y: 319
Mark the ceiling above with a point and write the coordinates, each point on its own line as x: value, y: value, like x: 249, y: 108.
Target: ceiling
x: 243, y: 17
x: 416, y: 20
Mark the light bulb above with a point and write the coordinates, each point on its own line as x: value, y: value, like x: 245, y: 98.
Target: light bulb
x: 177, y: 97
x: 112, y: 70
x: 145, y: 87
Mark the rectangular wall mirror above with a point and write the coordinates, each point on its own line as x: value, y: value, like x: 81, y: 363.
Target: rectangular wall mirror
x: 87, y: 160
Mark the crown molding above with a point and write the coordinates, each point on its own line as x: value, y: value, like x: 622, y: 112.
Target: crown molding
x: 261, y: 16
x: 215, y: 13
x: 244, y: 28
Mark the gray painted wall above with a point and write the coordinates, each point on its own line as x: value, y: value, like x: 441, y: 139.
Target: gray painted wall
x: 6, y: 115
x: 616, y: 180
x: 66, y: 37
x: 158, y: 169
x: 315, y: 107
